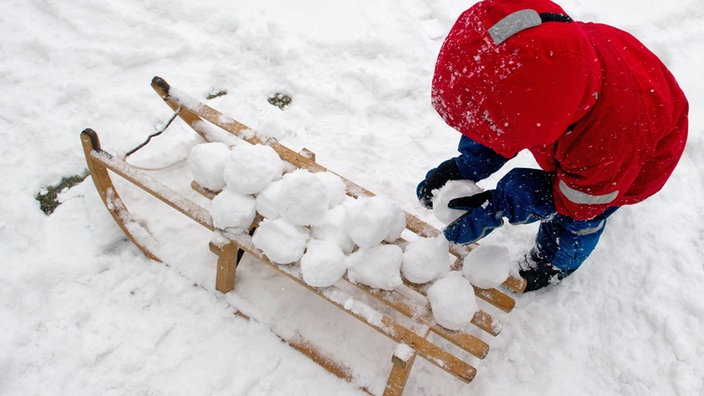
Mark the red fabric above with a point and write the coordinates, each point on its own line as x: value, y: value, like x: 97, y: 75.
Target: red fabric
x: 589, y: 101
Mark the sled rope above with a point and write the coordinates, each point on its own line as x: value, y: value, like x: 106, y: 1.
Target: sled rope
x: 155, y: 134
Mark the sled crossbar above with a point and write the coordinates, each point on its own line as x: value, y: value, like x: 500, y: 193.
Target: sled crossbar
x: 418, y: 337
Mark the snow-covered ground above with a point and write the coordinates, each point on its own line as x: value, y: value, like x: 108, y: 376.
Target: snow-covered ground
x: 82, y: 311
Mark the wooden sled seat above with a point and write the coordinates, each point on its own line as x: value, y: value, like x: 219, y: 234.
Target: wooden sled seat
x: 412, y: 340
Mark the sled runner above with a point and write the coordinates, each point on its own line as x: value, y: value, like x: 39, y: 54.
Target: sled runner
x: 452, y: 351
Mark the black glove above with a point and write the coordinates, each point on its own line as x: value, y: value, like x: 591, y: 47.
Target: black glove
x: 470, y: 202
x: 436, y: 178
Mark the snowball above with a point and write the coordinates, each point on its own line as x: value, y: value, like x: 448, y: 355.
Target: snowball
x: 232, y: 210
x: 372, y: 220
x: 281, y: 242
x: 451, y: 190
x: 323, y: 263
x: 487, y: 266
x: 302, y: 198
x: 207, y: 162
x: 452, y: 300
x: 378, y: 267
x: 426, y: 259
x: 330, y: 228
x: 397, y: 223
x: 267, y: 200
x: 251, y: 168
x: 337, y: 192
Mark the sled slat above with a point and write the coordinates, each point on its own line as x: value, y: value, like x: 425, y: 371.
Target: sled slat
x: 496, y: 298
x: 467, y: 342
x: 516, y: 284
x: 393, y: 299
x: 373, y: 318
x: 481, y: 319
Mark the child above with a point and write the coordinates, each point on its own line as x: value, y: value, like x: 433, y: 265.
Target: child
x: 603, y: 117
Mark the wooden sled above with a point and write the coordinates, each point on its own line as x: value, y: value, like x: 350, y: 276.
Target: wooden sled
x: 413, y: 340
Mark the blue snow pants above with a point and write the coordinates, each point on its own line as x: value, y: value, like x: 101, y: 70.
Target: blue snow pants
x: 525, y: 196
x: 566, y: 243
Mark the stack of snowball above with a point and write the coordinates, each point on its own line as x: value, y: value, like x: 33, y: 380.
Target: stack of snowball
x: 309, y: 219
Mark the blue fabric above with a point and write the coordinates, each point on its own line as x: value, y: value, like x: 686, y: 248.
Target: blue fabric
x: 474, y: 225
x: 421, y: 187
x: 522, y: 196
x: 525, y: 195
x: 566, y: 243
x: 476, y: 161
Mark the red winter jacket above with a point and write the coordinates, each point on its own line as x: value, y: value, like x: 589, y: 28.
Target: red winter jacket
x: 590, y: 102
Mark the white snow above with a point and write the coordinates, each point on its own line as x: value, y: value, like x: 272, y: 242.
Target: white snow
x: 335, y: 187
x: 267, y: 200
x: 331, y: 228
x: 426, y: 259
x: 281, y: 241
x: 487, y: 266
x: 251, y: 168
x: 378, y: 267
x: 302, y: 198
x: 323, y: 263
x: 452, y: 300
x: 451, y: 190
x: 396, y: 219
x: 83, y: 312
x: 207, y: 162
x: 232, y: 210
x: 371, y: 220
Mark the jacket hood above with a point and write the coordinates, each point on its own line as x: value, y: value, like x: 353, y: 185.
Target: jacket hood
x: 511, y: 78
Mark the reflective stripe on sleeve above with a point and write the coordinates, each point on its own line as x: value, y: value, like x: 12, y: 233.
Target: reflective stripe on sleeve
x: 582, y: 198
x: 587, y: 231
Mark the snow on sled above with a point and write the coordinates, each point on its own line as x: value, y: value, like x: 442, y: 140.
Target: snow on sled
x: 393, y: 306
